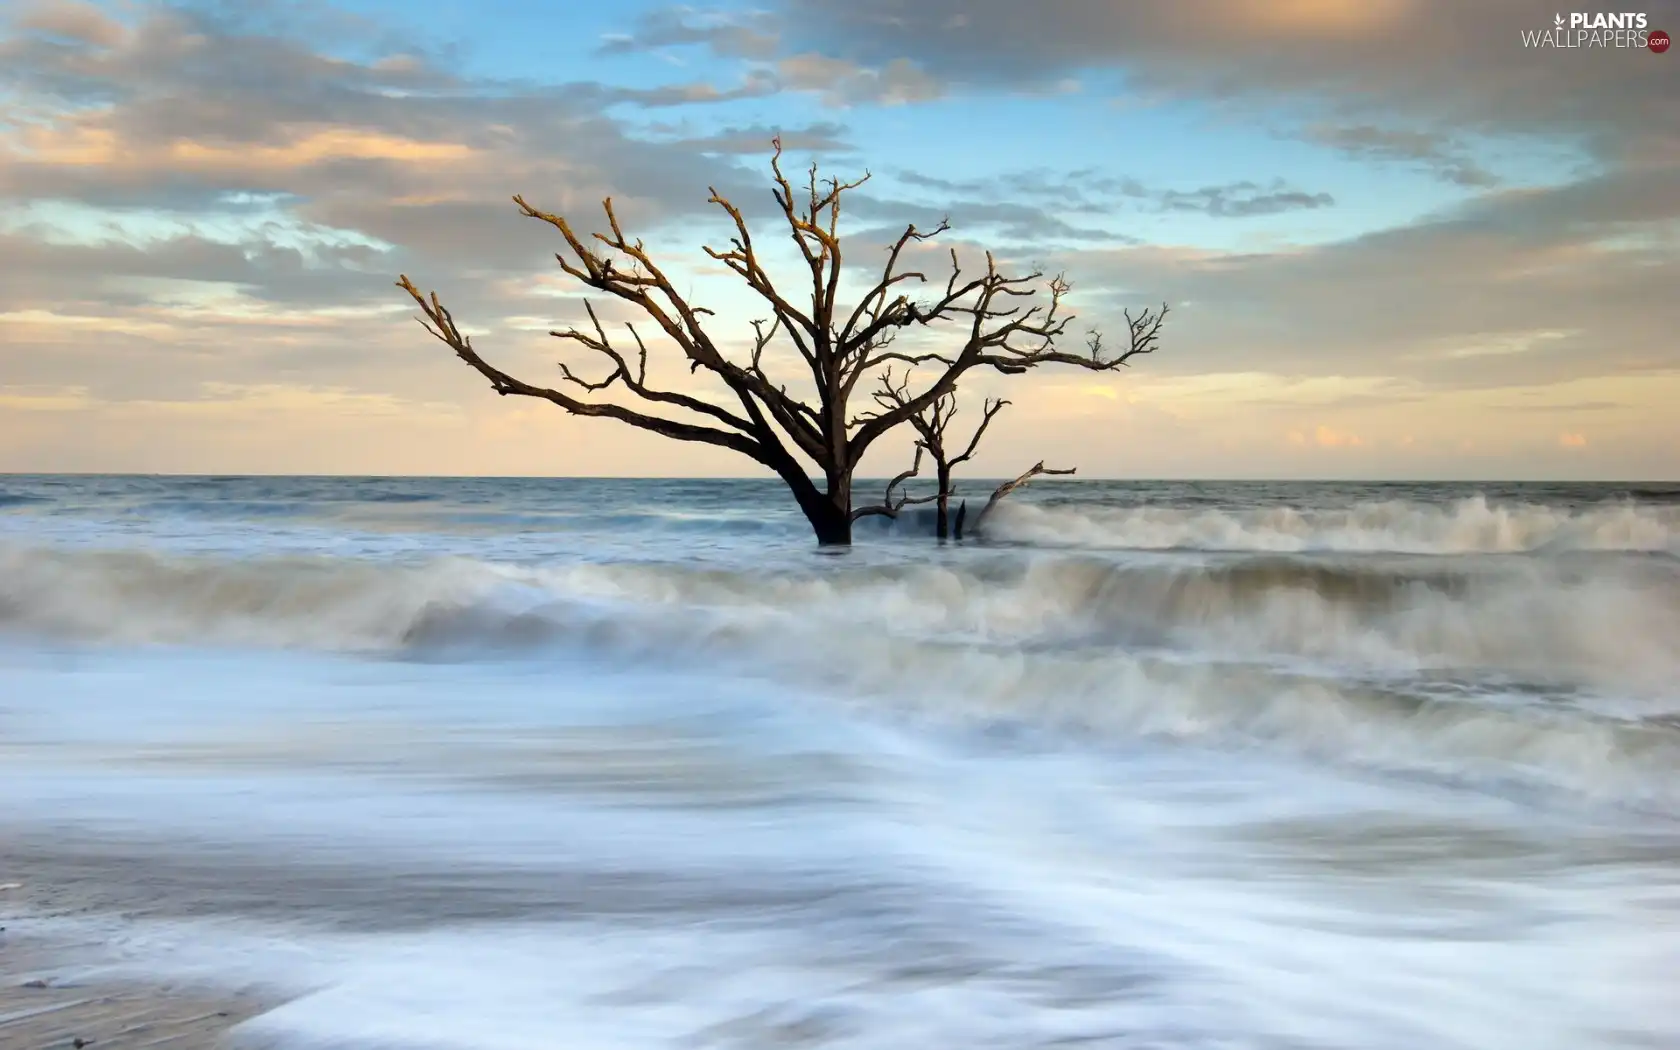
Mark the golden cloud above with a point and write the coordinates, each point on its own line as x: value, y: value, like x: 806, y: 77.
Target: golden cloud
x: 37, y: 399
x: 1325, y: 437
x: 87, y: 144
x: 332, y: 143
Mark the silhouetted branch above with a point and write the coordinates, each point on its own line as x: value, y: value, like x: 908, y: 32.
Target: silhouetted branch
x: 1010, y: 486
x: 889, y: 507
x: 441, y: 324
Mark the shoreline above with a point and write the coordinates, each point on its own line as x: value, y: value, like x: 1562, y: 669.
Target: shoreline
x: 55, y: 993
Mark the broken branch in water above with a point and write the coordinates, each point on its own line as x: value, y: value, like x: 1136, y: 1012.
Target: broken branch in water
x: 1005, y: 489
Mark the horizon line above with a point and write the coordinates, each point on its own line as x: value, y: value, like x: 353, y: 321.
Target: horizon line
x: 1059, y: 480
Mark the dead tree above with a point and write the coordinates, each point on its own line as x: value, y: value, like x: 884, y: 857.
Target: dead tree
x: 931, y: 426
x: 834, y: 348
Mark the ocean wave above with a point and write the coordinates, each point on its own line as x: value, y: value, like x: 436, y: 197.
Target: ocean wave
x: 1468, y: 526
x: 1425, y: 664
x: 1588, y: 621
x: 1430, y: 612
x: 139, y: 597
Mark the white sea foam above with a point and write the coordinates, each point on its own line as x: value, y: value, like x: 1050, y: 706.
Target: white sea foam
x: 1586, y: 623
x: 1315, y: 657
x: 535, y: 987
x: 984, y: 898
x: 1468, y: 526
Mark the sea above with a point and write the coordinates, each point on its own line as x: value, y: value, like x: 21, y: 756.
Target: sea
x: 525, y: 764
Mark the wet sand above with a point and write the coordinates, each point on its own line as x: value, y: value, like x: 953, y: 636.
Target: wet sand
x: 51, y: 998
x: 60, y: 981
x: 113, y: 1016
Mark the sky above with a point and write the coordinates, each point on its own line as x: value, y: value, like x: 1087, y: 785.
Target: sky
x: 1396, y: 242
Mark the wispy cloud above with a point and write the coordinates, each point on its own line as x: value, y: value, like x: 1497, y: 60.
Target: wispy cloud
x: 1434, y: 151
x: 1091, y: 192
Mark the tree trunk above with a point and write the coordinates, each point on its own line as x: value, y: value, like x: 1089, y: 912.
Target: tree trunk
x: 830, y: 512
x: 942, y: 521
x: 832, y: 525
x: 831, y: 515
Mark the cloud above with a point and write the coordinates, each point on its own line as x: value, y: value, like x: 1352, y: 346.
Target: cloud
x: 188, y: 199
x: 1353, y: 62
x: 1514, y: 286
x: 80, y: 22
x: 1329, y: 437
x: 1019, y: 222
x: 843, y: 83
x: 44, y: 399
x: 750, y: 34
x: 755, y: 84
x: 1433, y: 151
x: 1326, y: 437
x: 755, y: 139
x: 1243, y: 199
x: 1560, y: 408
x: 180, y: 112
x: 1568, y: 440
x: 1088, y: 191
x: 758, y: 36
x: 117, y: 275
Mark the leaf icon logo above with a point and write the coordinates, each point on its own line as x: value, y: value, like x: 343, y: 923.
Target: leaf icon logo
x: 1558, y: 20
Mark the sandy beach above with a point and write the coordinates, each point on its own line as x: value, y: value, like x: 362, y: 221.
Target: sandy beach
x: 50, y: 997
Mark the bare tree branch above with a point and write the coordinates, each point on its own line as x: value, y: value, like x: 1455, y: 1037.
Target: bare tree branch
x: 932, y: 426
x: 1011, y: 339
x: 649, y: 289
x: 888, y: 506
x: 635, y: 381
x: 992, y: 407
x: 441, y: 324
x: 1010, y: 486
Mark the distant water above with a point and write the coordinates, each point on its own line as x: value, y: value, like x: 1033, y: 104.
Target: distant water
x: 474, y: 764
